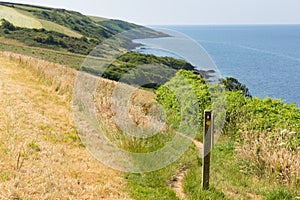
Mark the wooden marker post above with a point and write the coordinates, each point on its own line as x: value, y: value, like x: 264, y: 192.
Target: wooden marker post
x: 212, y: 131
x: 207, y: 143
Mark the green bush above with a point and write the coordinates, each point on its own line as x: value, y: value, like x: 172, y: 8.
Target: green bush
x: 254, y: 113
x: 46, y: 39
x: 260, y: 115
x: 232, y: 84
x: 183, y: 93
x: 135, y: 68
x: 7, y: 25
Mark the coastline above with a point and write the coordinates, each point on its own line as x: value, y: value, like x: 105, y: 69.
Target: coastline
x: 190, y: 52
x: 265, y: 58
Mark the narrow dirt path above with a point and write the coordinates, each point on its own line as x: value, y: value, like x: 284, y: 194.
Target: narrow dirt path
x: 177, y: 182
x: 41, y: 156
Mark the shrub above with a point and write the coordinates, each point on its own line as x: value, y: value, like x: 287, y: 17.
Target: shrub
x: 266, y: 131
x: 7, y: 25
x: 231, y: 84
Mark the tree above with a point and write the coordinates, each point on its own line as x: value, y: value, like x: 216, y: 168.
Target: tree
x: 7, y: 25
x: 232, y: 84
x: 50, y: 40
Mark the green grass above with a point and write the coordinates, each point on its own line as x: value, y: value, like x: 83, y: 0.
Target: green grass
x: 232, y: 176
x: 25, y: 19
x: 34, y: 146
x: 229, y: 173
x: 156, y: 185
x: 72, y: 20
x: 47, y: 39
x: 281, y: 194
x: 51, y: 26
x: 63, y: 58
x: 4, y: 176
x: 68, y: 22
x: 228, y: 180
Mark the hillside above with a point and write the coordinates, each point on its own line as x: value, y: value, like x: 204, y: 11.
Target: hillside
x: 67, y: 22
x: 68, y: 34
x: 39, y: 138
x: 44, y: 154
x: 41, y: 155
x: 67, y: 37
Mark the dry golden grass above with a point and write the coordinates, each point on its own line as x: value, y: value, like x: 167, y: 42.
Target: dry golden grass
x: 41, y: 156
x: 138, y: 114
x: 139, y: 105
x: 10, y: 41
x: 18, y: 19
x: 270, y: 155
x: 54, y: 75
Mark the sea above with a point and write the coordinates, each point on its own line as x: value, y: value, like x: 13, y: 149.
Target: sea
x: 264, y: 57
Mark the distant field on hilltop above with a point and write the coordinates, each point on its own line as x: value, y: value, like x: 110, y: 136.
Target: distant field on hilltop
x: 25, y: 19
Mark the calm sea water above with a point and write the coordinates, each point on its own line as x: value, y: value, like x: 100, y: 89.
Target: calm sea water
x: 265, y: 58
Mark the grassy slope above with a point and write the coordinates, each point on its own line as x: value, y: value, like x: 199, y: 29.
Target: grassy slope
x: 17, y: 18
x: 41, y: 155
x: 41, y: 147
x: 65, y: 58
x: 98, y: 19
x: 27, y: 20
x: 70, y: 23
x: 39, y: 140
x: 230, y: 176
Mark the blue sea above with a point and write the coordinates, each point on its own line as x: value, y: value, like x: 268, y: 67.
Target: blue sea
x: 264, y: 57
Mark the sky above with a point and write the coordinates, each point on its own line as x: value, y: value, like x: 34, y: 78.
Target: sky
x: 185, y: 12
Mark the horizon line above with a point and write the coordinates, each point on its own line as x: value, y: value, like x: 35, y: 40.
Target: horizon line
x: 246, y: 24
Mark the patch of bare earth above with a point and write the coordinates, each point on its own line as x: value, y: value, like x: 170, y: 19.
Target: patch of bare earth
x: 41, y: 156
x: 177, y: 182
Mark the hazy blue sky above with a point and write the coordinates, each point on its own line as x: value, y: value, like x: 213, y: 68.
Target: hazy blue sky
x: 150, y: 12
